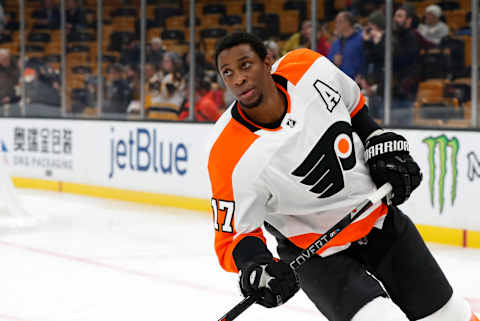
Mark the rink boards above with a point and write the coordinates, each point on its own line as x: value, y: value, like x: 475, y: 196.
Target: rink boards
x: 165, y: 164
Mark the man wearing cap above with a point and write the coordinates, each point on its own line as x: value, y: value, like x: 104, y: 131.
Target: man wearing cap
x: 433, y: 29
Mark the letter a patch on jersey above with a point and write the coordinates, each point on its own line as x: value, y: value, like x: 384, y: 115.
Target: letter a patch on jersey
x: 324, y: 165
x: 330, y: 96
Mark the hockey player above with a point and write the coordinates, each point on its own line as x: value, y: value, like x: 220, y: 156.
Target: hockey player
x: 294, y: 153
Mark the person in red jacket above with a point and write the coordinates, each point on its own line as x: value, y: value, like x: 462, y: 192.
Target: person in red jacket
x: 206, y: 109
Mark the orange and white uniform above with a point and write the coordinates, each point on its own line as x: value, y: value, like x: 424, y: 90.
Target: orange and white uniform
x: 301, y: 177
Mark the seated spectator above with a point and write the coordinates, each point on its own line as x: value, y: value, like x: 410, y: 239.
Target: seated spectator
x: 150, y: 70
x: 170, y: 63
x: 374, y: 48
x: 299, y: 39
x: 76, y: 17
x: 118, y: 93
x: 3, y: 18
x: 9, y: 78
x: 155, y: 51
x: 42, y: 89
x: 48, y: 17
x: 323, y: 38
x: 206, y: 110
x: 467, y: 29
x: 91, y: 84
x: 433, y: 29
x: 347, y: 51
x: 406, y: 71
x: 130, y: 52
x: 166, y: 87
x: 302, y: 39
x: 132, y: 76
x: 272, y: 49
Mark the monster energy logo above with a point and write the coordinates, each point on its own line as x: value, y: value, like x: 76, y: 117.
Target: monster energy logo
x: 443, y: 144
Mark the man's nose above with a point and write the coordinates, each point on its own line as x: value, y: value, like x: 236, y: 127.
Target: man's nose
x: 239, y: 79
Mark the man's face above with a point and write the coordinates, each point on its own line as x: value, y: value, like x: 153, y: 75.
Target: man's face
x: 4, y: 60
x: 430, y: 18
x: 307, y: 29
x: 149, y: 71
x: 340, y: 24
x: 400, y: 19
x: 244, y: 74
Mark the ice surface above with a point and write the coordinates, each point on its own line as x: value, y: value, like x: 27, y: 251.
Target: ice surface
x: 102, y: 260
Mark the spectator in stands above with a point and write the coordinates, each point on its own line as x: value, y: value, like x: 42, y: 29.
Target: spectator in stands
x: 76, y: 17
x: 170, y: 62
x: 406, y: 73
x: 42, y: 89
x: 9, y: 78
x: 302, y: 39
x: 118, y: 93
x: 206, y: 110
x: 130, y: 52
x: 433, y: 29
x: 323, y: 38
x: 272, y: 49
x: 132, y: 76
x: 92, y: 87
x: 299, y: 39
x: 467, y: 29
x: 150, y: 70
x: 166, y: 87
x: 156, y: 50
x: 3, y: 18
x: 347, y: 51
x: 48, y: 17
x: 374, y: 48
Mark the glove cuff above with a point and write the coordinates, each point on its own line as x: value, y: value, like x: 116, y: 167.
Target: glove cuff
x: 392, y: 145
x: 251, y: 249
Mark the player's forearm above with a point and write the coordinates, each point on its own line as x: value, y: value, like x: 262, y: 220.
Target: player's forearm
x: 249, y: 249
x: 363, y: 124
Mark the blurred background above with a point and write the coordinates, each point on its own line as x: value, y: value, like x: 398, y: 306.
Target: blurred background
x: 415, y: 61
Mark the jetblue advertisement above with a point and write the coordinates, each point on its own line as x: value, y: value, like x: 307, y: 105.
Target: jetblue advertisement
x: 143, y: 150
x: 161, y: 158
x: 164, y: 158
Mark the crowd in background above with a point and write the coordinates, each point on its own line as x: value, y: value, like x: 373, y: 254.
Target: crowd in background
x: 352, y: 38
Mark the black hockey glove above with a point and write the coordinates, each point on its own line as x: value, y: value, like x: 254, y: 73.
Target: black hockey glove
x: 388, y: 158
x: 271, y: 283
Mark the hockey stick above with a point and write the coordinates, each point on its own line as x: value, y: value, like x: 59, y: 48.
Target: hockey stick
x: 375, y: 197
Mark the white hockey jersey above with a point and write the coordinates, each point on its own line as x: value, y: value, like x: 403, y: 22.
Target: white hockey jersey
x: 301, y: 177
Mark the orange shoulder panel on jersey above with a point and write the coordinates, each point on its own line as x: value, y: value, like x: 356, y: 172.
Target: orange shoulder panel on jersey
x: 295, y: 63
x: 226, y: 152
x: 353, y: 232
x: 360, y: 104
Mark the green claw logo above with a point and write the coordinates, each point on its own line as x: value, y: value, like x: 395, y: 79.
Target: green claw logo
x: 444, y: 144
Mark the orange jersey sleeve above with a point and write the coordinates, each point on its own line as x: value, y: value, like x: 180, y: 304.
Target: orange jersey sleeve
x: 226, y: 152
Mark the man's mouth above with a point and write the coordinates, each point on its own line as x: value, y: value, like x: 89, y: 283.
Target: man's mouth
x: 248, y: 93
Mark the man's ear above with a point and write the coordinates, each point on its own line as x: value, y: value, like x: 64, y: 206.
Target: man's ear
x: 268, y: 61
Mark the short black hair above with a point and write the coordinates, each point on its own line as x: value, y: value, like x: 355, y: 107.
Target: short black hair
x: 238, y: 38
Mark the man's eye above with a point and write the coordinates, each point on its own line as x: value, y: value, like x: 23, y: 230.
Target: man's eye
x: 227, y: 73
x: 246, y: 65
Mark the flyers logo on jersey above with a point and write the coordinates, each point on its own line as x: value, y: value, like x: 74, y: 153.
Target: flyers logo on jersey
x: 324, y: 165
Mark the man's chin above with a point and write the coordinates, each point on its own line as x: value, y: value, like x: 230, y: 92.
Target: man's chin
x: 253, y: 104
